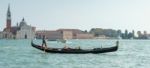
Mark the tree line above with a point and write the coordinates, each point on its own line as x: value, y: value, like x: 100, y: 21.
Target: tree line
x: 118, y: 33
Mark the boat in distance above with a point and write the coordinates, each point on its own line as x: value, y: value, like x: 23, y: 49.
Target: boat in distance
x: 75, y: 50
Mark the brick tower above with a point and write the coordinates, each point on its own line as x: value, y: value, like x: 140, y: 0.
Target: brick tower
x: 8, y: 19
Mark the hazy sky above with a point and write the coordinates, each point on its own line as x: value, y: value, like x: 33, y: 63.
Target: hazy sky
x: 79, y: 14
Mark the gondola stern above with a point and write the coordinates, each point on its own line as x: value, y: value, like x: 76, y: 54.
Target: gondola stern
x: 117, y: 45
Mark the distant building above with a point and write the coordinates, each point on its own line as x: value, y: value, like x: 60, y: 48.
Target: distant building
x: 64, y: 34
x: 22, y: 31
x: 51, y: 35
x: 25, y: 31
x: 7, y: 32
x: 77, y: 34
x: 102, y: 37
x: 67, y: 35
x: 6, y: 35
x: 84, y: 36
x: 148, y: 36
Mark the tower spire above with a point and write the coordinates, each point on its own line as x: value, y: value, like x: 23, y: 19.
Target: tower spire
x: 8, y: 12
x: 8, y: 20
x: 8, y: 8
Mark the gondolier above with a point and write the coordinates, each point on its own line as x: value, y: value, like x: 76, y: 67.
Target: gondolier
x: 44, y: 41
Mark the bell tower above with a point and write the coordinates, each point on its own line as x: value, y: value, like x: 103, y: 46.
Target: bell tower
x: 8, y: 19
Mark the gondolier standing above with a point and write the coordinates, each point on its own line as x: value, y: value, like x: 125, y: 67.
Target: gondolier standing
x: 44, y: 41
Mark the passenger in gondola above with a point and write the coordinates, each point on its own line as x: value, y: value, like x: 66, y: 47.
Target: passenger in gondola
x: 78, y: 48
x: 44, y: 41
x: 65, y: 47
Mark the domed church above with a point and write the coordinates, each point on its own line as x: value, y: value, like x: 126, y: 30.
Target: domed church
x: 25, y: 31
x: 21, y: 31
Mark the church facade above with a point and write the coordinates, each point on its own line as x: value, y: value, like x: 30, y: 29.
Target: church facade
x: 25, y: 31
x: 20, y: 31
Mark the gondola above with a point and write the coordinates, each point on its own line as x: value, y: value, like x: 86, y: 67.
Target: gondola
x: 76, y: 50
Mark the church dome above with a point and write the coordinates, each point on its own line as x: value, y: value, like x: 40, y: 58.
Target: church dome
x: 22, y: 23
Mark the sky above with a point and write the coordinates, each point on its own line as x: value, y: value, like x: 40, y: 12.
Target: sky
x: 79, y: 14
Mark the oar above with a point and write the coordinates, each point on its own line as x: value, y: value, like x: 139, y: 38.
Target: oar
x: 44, y: 50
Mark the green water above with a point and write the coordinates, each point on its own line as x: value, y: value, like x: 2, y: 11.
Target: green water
x: 20, y: 54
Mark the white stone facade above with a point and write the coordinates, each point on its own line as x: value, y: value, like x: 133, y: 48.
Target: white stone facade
x: 6, y: 35
x: 25, y: 32
x: 21, y: 31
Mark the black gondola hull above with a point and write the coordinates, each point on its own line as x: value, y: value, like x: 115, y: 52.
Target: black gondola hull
x: 75, y: 51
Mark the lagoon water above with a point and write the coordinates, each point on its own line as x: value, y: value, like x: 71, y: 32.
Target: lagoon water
x: 20, y: 54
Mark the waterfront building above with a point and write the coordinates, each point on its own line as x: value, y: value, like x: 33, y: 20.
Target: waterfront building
x: 84, y: 36
x: 148, y: 36
x: 64, y: 34
x: 76, y: 34
x: 50, y: 35
x: 7, y: 32
x: 102, y: 37
x: 22, y: 31
x: 25, y: 31
x: 67, y: 34
x: 5, y: 35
